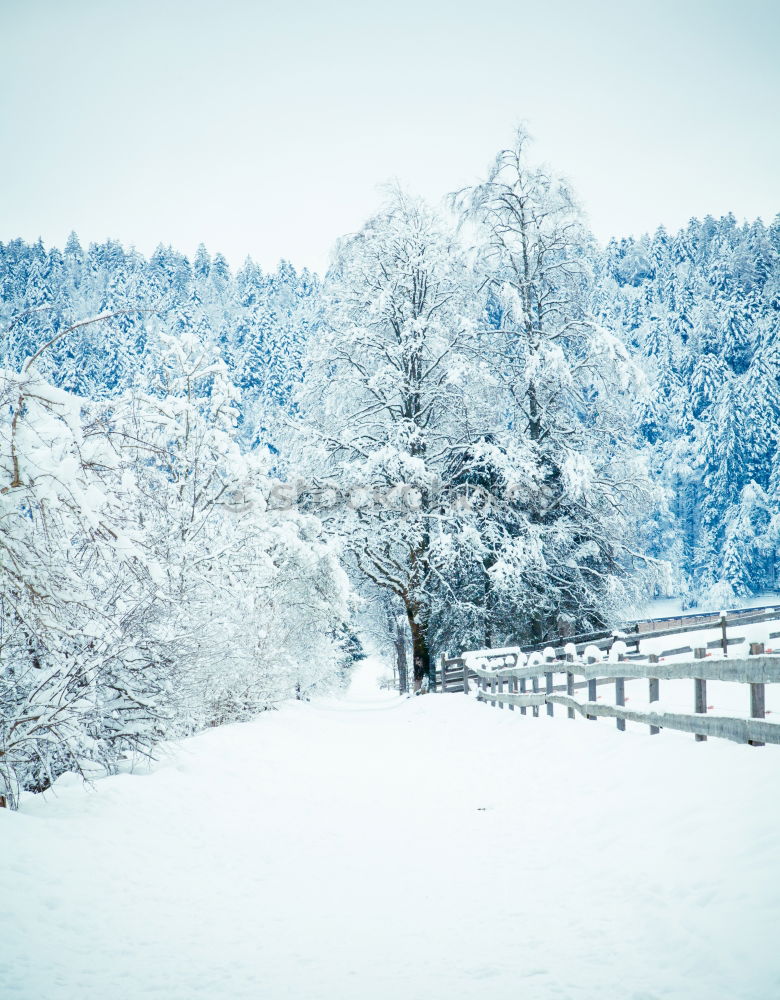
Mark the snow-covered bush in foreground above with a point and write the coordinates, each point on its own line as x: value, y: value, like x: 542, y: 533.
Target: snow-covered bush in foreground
x: 73, y: 686
x: 148, y: 588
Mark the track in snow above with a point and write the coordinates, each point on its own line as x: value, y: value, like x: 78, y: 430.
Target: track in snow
x: 381, y: 848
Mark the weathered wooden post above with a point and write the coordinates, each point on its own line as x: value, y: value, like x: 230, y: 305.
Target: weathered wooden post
x: 757, y: 694
x: 620, y: 695
x: 592, y: 696
x: 465, y: 677
x: 548, y: 689
x: 512, y: 687
x: 500, y: 690
x: 570, y: 684
x: 723, y: 640
x: 700, y: 691
x: 654, y: 692
x: 443, y: 668
x: 535, y: 686
x: 523, y: 709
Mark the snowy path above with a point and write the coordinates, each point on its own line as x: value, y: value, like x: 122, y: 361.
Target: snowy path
x: 381, y: 849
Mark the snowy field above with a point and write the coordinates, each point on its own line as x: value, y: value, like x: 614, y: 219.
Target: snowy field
x: 383, y: 848
x: 669, y: 607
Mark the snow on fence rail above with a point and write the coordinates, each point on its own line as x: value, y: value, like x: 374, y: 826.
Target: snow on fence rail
x: 502, y: 677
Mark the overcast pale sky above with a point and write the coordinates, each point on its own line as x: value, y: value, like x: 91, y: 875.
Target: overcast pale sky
x: 267, y: 128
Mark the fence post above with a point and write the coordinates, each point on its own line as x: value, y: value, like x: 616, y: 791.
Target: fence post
x: 512, y: 688
x: 535, y: 686
x: 723, y: 640
x: 570, y: 685
x: 500, y: 685
x: 620, y: 695
x: 523, y: 709
x: 654, y: 691
x: 549, y: 687
x: 465, y: 678
x: 443, y: 673
x: 757, y: 694
x: 592, y: 696
x: 700, y: 689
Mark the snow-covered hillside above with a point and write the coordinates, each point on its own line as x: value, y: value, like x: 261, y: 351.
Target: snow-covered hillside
x: 379, y: 847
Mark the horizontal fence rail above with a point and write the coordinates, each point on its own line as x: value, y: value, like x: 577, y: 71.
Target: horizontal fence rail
x: 509, y: 678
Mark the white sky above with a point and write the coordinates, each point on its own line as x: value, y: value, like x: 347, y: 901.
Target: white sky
x: 267, y: 128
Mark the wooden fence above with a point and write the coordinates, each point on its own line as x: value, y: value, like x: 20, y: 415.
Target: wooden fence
x: 503, y: 681
x: 449, y: 675
x: 677, y: 624
x: 637, y: 629
x: 684, y: 622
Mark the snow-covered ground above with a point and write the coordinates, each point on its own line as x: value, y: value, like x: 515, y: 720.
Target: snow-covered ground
x: 381, y: 848
x: 669, y: 607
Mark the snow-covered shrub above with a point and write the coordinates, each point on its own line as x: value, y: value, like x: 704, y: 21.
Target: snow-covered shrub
x: 148, y: 586
x: 73, y: 684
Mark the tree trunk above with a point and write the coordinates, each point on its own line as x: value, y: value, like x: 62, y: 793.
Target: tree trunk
x: 537, y: 628
x: 400, y: 658
x: 421, y: 657
x: 487, y: 603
